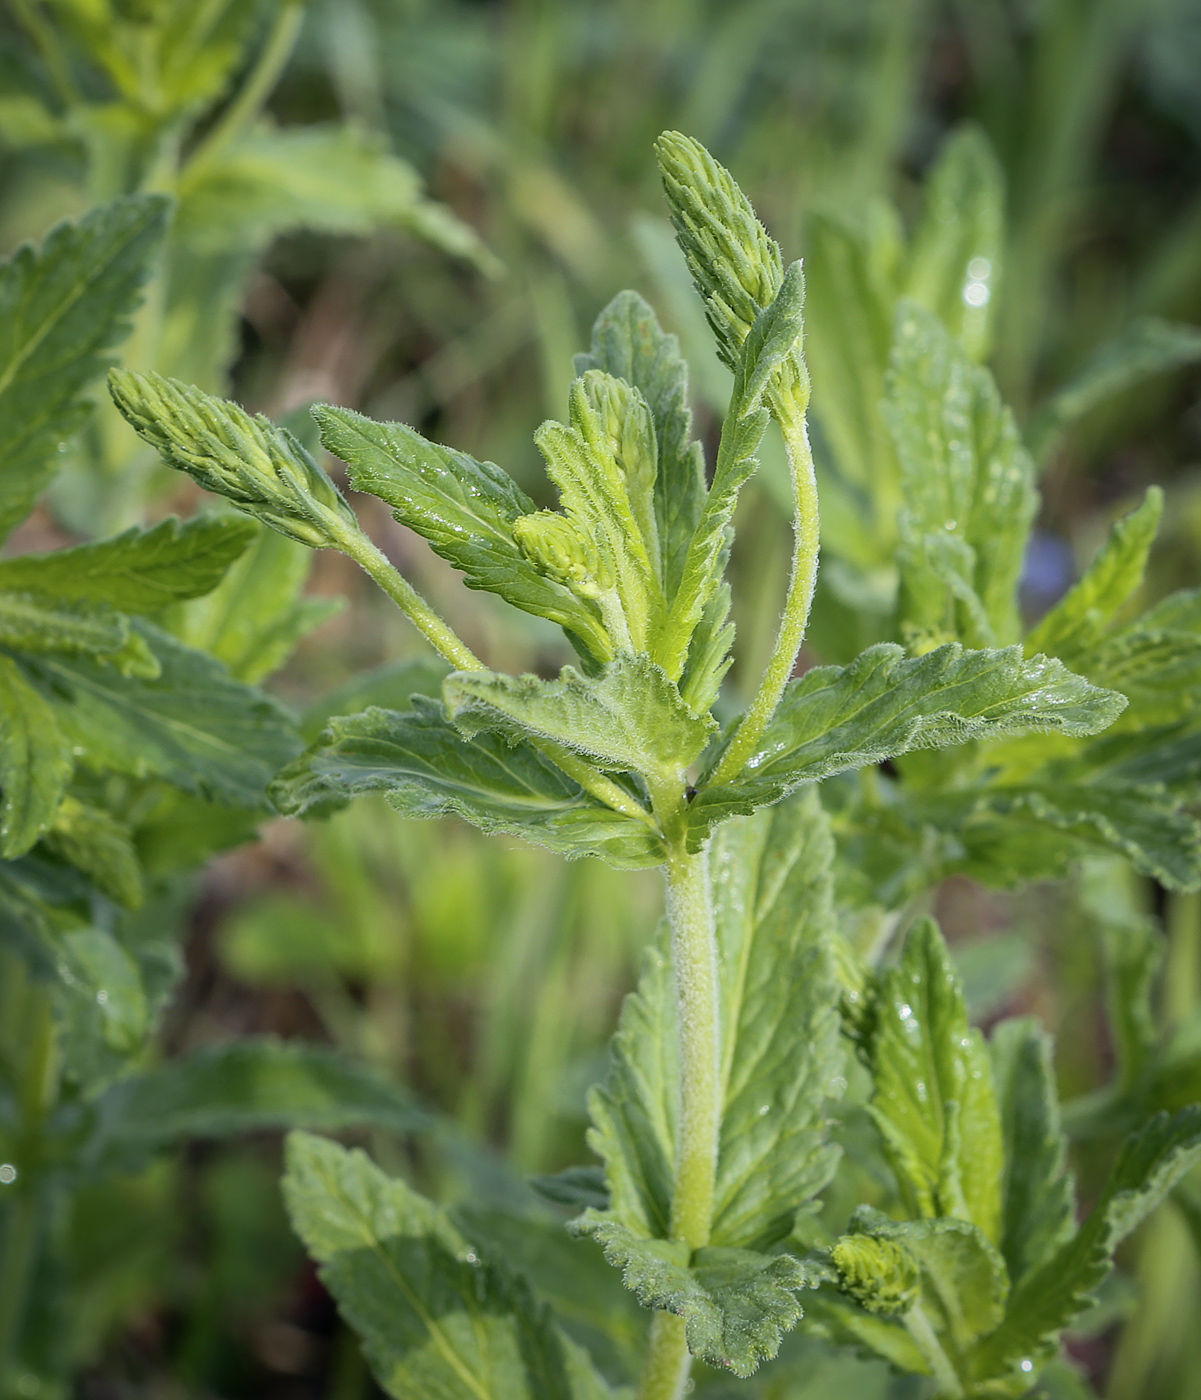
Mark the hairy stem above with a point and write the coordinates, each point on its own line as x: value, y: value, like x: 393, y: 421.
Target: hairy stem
x: 918, y: 1324
x: 448, y: 645
x: 256, y: 90
x: 665, y: 1370
x: 799, y: 600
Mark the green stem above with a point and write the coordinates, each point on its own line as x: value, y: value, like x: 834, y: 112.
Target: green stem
x: 799, y: 600
x: 665, y: 1370
x: 1182, y: 974
x: 16, y: 1270
x: 448, y: 645
x: 255, y: 91
x: 945, y: 1378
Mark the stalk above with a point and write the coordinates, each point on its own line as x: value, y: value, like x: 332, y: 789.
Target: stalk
x: 16, y: 1271
x: 799, y: 600
x: 694, y: 959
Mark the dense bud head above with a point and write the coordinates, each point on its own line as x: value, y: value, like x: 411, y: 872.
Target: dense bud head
x: 247, y: 459
x: 734, y: 262
x: 880, y: 1275
x: 557, y: 547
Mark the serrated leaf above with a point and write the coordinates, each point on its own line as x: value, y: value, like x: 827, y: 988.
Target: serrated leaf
x: 139, y: 571
x: 99, y: 846
x: 934, y: 1101
x: 35, y: 762
x: 328, y: 178
x: 427, y: 769
x: 1151, y: 1162
x: 629, y: 716
x: 1148, y: 347
x: 249, y: 1085
x: 627, y: 342
x: 1039, y: 1200
x: 885, y: 704
x: 773, y: 905
x: 192, y: 725
x: 32, y: 622
x: 62, y: 307
x: 95, y: 967
x: 1080, y: 619
x: 954, y: 265
x: 966, y: 480
x: 388, y: 687
x: 435, y: 1317
x: 464, y: 508
x: 1132, y: 954
x: 736, y: 1304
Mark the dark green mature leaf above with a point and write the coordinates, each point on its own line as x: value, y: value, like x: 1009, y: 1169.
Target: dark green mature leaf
x: 100, y: 847
x: 1132, y: 953
x: 627, y: 342
x: 62, y: 307
x: 934, y: 1101
x: 246, y: 1086
x: 1155, y: 661
x: 427, y: 769
x: 773, y: 903
x: 630, y: 716
x: 1081, y: 618
x: 1148, y: 347
x: 1039, y: 1203
x: 192, y: 725
x: 954, y: 264
x: 968, y: 486
x: 139, y: 571
x: 35, y: 762
x: 1151, y: 1162
x: 464, y: 508
x: 884, y: 704
x: 435, y: 1317
x: 736, y: 1304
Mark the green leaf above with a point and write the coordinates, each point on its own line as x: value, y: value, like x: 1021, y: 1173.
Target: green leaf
x: 261, y: 468
x: 34, y: 623
x: 464, y: 508
x: 954, y: 265
x: 630, y: 716
x: 968, y: 486
x: 100, y: 847
x: 427, y: 769
x: 328, y: 178
x: 388, y: 687
x: 1155, y: 662
x: 192, y: 725
x: 773, y: 904
x: 256, y: 615
x: 736, y: 1304
x: 1039, y: 1202
x: 435, y: 1317
x: 249, y: 1085
x: 1151, y: 1162
x: 885, y: 704
x: 1147, y: 347
x: 35, y: 762
x: 1081, y: 618
x: 96, y: 968
x: 139, y: 571
x: 62, y: 307
x: 628, y: 343
x: 934, y: 1101
x: 1132, y: 954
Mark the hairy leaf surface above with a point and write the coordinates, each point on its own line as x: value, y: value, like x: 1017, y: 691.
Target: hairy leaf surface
x: 35, y: 762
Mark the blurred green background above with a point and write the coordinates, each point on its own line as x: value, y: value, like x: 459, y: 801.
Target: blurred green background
x: 484, y: 976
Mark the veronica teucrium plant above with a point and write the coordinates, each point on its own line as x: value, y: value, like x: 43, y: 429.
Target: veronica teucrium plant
x: 711, y: 1126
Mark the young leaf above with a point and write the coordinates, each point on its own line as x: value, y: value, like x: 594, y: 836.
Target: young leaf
x: 100, y: 847
x: 436, y: 1318
x: 261, y: 468
x: 1151, y: 1162
x: 427, y: 769
x: 934, y: 1101
x: 62, y: 307
x: 630, y: 716
x: 1039, y: 1202
x: 1146, y: 348
x: 464, y: 508
x: 139, y: 571
x: 33, y: 623
x: 35, y: 762
x: 885, y: 704
x: 967, y: 481
x: 248, y: 1085
x: 1082, y: 617
x: 628, y: 343
x: 736, y: 1304
x: 955, y: 260
x: 192, y: 725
